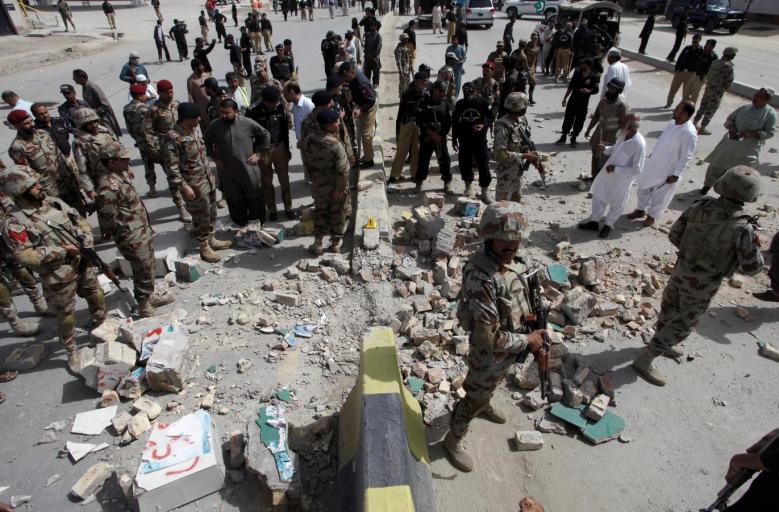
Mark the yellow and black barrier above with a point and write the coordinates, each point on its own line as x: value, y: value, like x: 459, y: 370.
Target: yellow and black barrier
x: 383, y: 464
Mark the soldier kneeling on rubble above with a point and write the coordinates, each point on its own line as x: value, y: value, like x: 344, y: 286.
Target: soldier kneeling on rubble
x: 42, y: 234
x: 493, y: 304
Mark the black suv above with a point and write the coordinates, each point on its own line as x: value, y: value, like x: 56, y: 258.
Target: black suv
x: 643, y: 6
x: 709, y: 14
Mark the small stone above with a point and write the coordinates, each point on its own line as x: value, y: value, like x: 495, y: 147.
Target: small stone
x: 290, y: 298
x: 534, y: 401
x: 147, y: 405
x: 138, y: 425
x: 120, y: 422
x: 597, y: 407
x: 444, y: 387
x: 623, y: 438
x: 550, y: 426
x: 109, y: 398
x: 527, y: 377
x: 436, y: 375
x: 743, y: 313
x: 244, y: 364
x: 529, y: 440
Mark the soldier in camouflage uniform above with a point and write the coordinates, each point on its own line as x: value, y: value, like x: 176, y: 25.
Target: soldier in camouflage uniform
x: 160, y: 119
x: 57, y: 174
x: 446, y: 74
x: 322, y: 101
x: 328, y: 165
x: 510, y: 148
x: 488, y: 88
x: 342, y: 102
x: 90, y: 138
x: 715, y: 238
x: 38, y: 233
x: 403, y: 61
x: 184, y: 156
x: 123, y: 217
x: 499, y: 57
x: 149, y: 147
x: 718, y: 81
x: 493, y: 303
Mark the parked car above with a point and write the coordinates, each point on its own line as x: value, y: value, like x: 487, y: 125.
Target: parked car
x: 528, y: 7
x: 709, y: 14
x: 595, y: 12
x: 643, y: 6
x: 479, y: 12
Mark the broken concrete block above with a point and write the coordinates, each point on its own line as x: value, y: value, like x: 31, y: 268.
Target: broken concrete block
x: 25, y: 357
x: 444, y: 243
x: 328, y: 274
x: 120, y: 422
x: 439, y: 272
x: 421, y: 335
x: 435, y: 375
x: 581, y: 375
x: 188, y: 270
x: 109, y: 398
x: 450, y: 288
x: 526, y: 376
x: 569, y: 331
x: 92, y: 480
x: 578, y: 304
x: 555, y: 387
x: 422, y: 305
x: 768, y: 350
x: 597, y: 407
x: 138, y: 425
x: 592, y: 272
x: 548, y: 425
x: 288, y: 298
x: 133, y: 384
x: 528, y: 440
x: 172, y: 361
x: 88, y: 367
x: 147, y: 405
x: 107, y: 331
x: 572, y: 396
x: 589, y: 390
x: 534, y: 401
x: 208, y: 400
x: 607, y: 309
x: 606, y: 386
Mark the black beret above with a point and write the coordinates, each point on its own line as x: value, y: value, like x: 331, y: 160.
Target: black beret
x: 421, y: 75
x: 333, y: 81
x: 188, y: 110
x: 270, y: 93
x: 211, y: 82
x: 321, y: 98
x: 327, y: 116
x: 346, y: 66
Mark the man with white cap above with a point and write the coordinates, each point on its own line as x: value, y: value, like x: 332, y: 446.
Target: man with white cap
x: 748, y: 128
x: 151, y: 92
x: 611, y: 187
x: 674, y: 149
x: 132, y: 69
x: 616, y: 69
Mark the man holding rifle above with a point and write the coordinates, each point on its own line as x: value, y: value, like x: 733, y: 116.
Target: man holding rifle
x: 495, y: 306
x: 43, y: 235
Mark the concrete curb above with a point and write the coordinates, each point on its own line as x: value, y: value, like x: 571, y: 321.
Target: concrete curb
x: 739, y: 88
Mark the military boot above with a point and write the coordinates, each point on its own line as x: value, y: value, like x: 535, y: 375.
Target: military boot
x: 447, y: 187
x: 19, y: 326
x: 335, y: 244
x: 672, y: 352
x: 96, y: 304
x: 74, y: 361
x: 643, y: 365
x: 145, y: 309
x: 468, y: 189
x: 160, y: 299
x: 152, y: 191
x: 184, y: 215
x: 495, y: 414
x: 39, y: 303
x: 207, y: 254
x: 456, y: 453
x: 316, y: 247
x: 486, y: 197
x: 219, y: 245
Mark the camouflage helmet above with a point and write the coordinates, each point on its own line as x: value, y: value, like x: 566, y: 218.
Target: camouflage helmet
x: 84, y: 116
x: 516, y: 102
x: 17, y: 179
x: 740, y: 183
x: 502, y: 220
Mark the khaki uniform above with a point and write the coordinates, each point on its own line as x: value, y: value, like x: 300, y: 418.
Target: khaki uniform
x: 86, y: 148
x: 135, y: 117
x: 499, y: 59
x: 160, y: 119
x: 40, y: 247
x: 507, y: 148
x: 184, y: 157
x: 609, y: 116
x: 492, y: 306
x: 718, y: 81
x: 328, y: 165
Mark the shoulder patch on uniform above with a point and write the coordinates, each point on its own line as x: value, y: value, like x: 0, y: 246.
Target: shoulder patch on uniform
x: 17, y: 233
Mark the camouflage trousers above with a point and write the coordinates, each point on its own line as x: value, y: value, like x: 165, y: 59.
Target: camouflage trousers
x: 331, y: 216
x: 403, y: 83
x: 62, y: 300
x: 685, y: 299
x: 712, y: 97
x: 175, y: 194
x: 138, y: 249
x: 148, y: 169
x: 484, y: 374
x: 9, y: 276
x: 203, y: 211
x: 509, y: 184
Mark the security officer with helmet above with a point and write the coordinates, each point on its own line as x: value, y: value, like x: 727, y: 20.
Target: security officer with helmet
x: 493, y: 305
x: 511, y: 148
x: 715, y: 238
x: 91, y: 136
x: 44, y: 234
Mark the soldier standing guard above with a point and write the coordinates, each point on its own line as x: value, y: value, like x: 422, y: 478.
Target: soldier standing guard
x: 134, y: 117
x: 718, y: 80
x: 511, y: 147
x: 184, y: 155
x: 91, y: 136
x: 403, y: 61
x: 328, y: 165
x: 39, y: 234
x: 715, y: 238
x: 493, y: 303
x: 159, y: 121
x: 123, y: 217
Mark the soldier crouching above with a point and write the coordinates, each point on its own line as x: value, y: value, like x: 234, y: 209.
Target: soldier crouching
x: 493, y: 305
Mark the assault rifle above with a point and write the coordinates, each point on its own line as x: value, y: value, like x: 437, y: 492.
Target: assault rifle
x: 537, y: 319
x: 524, y: 166
x: 88, y: 253
x: 742, y: 477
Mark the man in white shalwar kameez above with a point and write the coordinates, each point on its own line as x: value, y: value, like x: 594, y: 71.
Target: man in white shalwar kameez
x: 611, y: 187
x: 674, y: 149
x: 616, y: 69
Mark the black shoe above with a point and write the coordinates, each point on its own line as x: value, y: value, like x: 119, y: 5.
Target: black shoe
x: 604, y: 231
x: 768, y: 296
x: 561, y: 140
x: 273, y: 216
x: 532, y: 102
x: 704, y: 190
x: 366, y: 164
x: 392, y: 180
x: 589, y: 225
x: 291, y: 214
x: 573, y: 142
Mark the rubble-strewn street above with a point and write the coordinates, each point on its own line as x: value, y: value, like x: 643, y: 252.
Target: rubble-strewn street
x: 230, y: 398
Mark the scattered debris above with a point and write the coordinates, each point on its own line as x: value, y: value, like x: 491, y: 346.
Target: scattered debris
x: 92, y: 423
x: 527, y: 440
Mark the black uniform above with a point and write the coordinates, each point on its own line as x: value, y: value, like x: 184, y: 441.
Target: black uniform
x: 246, y: 53
x: 178, y: 33
x: 202, y: 55
x: 59, y: 131
x: 329, y: 50
x: 281, y: 68
x: 468, y: 113
x: 219, y: 23
x: 434, y: 117
x: 649, y: 26
x: 576, y: 109
x: 681, y: 33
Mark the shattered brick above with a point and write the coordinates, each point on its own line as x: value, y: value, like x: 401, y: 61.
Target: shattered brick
x: 148, y: 406
x: 291, y: 299
x: 138, y: 425
x: 92, y: 480
x: 597, y: 407
x: 529, y: 440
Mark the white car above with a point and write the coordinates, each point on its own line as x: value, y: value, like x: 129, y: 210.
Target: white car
x: 479, y: 12
x: 528, y: 7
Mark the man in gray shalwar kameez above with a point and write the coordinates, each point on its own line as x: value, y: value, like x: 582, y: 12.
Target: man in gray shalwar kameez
x: 97, y: 100
x: 235, y: 143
